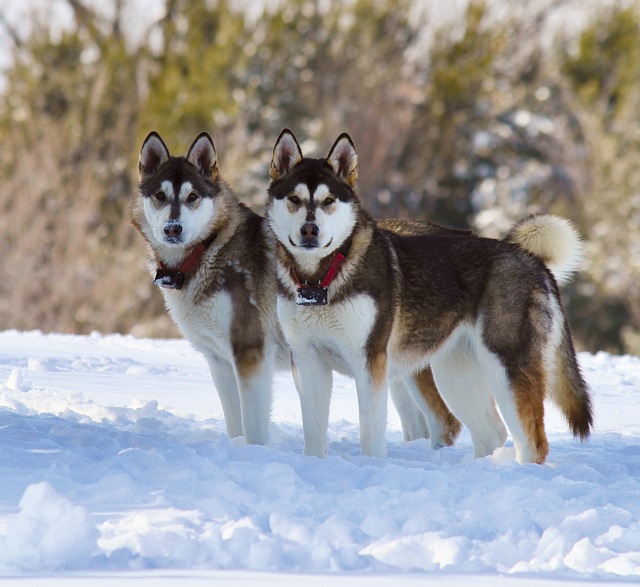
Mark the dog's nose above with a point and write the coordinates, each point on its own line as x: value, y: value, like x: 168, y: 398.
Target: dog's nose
x: 173, y: 229
x: 309, y: 231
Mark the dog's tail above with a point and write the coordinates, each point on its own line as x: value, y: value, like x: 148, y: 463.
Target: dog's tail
x: 570, y: 392
x: 553, y: 239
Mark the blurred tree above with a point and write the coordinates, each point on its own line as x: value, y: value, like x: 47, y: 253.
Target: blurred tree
x: 472, y: 121
x: 70, y: 104
x: 453, y: 106
x: 326, y: 68
x: 192, y: 73
x: 486, y: 142
x: 603, y: 72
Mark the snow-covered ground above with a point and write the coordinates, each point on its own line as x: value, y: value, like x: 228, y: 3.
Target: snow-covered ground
x: 114, y: 464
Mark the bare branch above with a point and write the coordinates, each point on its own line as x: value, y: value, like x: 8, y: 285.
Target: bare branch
x: 11, y: 31
x: 116, y: 28
x: 87, y: 18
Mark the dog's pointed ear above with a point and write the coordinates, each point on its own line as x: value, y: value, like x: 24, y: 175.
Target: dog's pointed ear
x: 153, y: 154
x: 343, y: 159
x: 286, y: 155
x: 202, y: 155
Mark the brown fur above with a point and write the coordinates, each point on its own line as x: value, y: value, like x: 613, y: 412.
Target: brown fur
x: 571, y: 394
x: 528, y: 389
x: 429, y: 392
x: 406, y: 227
x: 378, y: 370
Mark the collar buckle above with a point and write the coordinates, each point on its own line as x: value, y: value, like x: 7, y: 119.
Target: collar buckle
x: 317, y: 295
x: 169, y: 278
x: 175, y: 278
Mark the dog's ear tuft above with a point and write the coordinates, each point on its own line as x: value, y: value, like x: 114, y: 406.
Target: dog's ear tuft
x: 202, y: 155
x: 343, y: 159
x: 153, y: 155
x: 286, y: 155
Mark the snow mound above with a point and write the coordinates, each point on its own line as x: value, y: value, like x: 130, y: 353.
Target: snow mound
x: 49, y: 532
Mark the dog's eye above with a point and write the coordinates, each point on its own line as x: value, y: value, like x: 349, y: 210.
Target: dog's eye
x: 193, y: 197
x: 160, y: 197
x: 295, y: 200
x: 328, y: 201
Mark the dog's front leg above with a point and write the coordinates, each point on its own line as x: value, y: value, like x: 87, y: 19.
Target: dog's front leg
x: 224, y: 379
x: 371, y: 385
x: 314, y: 380
x: 255, y: 378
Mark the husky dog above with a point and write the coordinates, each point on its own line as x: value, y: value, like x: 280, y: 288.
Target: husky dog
x: 485, y: 314
x: 214, y: 260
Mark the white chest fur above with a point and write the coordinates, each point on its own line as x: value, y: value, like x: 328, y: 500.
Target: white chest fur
x: 340, y: 331
x: 207, y: 325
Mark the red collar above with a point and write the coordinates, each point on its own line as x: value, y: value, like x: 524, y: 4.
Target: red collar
x: 337, y: 262
x: 318, y: 295
x: 174, y: 278
x: 190, y: 262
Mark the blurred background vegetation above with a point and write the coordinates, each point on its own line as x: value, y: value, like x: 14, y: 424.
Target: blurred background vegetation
x: 473, y: 118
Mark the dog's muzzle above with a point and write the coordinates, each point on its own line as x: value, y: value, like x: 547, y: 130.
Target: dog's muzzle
x: 173, y: 232
x: 309, y: 235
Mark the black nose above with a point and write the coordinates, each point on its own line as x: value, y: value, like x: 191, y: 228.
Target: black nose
x: 309, y: 231
x: 173, y: 229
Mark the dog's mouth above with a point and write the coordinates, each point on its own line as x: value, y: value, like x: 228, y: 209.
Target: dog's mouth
x: 310, y: 245
x: 173, y: 240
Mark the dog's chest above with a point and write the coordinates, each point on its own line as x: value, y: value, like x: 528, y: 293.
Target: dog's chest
x: 207, y: 324
x: 337, y: 330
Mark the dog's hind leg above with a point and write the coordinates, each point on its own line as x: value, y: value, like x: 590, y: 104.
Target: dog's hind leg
x: 442, y: 425
x: 520, y: 398
x: 520, y: 366
x: 414, y: 424
x: 463, y: 386
x: 529, y: 392
x: 224, y: 380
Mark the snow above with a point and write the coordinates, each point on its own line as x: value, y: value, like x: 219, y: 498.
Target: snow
x: 114, y: 464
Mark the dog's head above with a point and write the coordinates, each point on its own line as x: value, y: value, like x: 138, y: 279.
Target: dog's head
x: 312, y: 206
x: 177, y: 196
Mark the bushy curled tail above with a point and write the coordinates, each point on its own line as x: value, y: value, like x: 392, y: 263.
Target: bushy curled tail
x: 553, y: 239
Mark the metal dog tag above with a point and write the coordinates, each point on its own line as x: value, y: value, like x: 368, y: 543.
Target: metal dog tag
x: 312, y: 296
x: 169, y: 278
